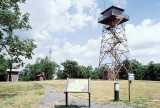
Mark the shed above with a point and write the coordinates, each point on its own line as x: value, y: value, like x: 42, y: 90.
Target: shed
x: 13, y: 75
x: 105, y: 75
x: 40, y: 77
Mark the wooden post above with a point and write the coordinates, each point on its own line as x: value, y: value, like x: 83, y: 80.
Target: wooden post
x: 66, y: 99
x: 89, y: 100
x: 129, y: 91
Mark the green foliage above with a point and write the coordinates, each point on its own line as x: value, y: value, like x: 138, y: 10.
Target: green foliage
x: 45, y: 66
x: 97, y: 73
x: 71, y: 69
x: 138, y: 69
x: 11, y: 45
x: 11, y: 17
x: 86, y: 71
x: 4, y: 65
x: 123, y: 72
x: 3, y: 68
x: 142, y: 72
x: 60, y: 74
x: 152, y: 72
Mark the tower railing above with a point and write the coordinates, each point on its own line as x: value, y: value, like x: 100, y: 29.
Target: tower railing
x: 113, y: 12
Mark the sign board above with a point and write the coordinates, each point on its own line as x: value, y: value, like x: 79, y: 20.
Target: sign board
x: 130, y: 77
x: 78, y: 85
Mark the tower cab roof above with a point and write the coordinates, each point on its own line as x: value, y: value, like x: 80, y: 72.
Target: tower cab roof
x: 113, y: 7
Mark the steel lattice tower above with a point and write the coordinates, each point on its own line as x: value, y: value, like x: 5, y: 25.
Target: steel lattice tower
x: 114, y: 47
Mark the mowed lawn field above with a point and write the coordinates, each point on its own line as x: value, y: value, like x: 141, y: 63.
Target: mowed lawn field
x: 143, y: 93
x: 27, y: 94
x: 20, y: 94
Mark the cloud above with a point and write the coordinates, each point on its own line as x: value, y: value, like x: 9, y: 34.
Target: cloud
x: 144, y: 41
x: 57, y: 15
x: 33, y: 60
x: 40, y: 35
x: 84, y: 54
x: 50, y: 16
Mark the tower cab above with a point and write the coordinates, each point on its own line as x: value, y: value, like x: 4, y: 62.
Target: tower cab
x: 113, y: 16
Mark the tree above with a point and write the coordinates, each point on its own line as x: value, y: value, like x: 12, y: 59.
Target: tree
x: 11, y: 17
x: 123, y: 74
x: 97, y: 73
x: 42, y: 65
x: 133, y: 66
x: 85, y: 72
x: 3, y: 68
x: 152, y: 72
x: 25, y: 74
x: 60, y: 74
x: 138, y: 69
x: 48, y: 67
x: 10, y: 44
x: 71, y: 69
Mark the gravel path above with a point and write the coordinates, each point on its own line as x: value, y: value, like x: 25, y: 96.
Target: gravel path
x: 54, y: 99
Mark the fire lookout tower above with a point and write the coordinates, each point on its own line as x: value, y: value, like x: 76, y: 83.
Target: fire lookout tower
x: 114, y: 47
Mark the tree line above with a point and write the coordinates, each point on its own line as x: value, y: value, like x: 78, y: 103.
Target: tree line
x: 151, y: 71
x: 72, y: 69
x: 51, y: 69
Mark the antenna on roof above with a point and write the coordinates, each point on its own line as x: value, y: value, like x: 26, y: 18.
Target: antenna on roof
x: 50, y: 52
x: 104, y: 4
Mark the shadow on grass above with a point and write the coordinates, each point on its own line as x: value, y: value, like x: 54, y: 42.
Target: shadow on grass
x: 133, y: 103
x: 115, y: 101
x: 70, y: 106
x: 7, y: 95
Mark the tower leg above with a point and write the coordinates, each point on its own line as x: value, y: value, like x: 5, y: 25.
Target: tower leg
x: 113, y: 51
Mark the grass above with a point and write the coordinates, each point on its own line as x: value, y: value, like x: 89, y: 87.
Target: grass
x: 143, y: 93
x: 26, y: 94
x: 20, y: 94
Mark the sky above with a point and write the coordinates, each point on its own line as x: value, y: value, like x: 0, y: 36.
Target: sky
x: 71, y: 29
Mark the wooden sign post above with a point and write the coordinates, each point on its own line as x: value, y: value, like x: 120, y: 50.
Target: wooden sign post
x: 130, y: 79
x: 77, y: 86
x: 129, y: 91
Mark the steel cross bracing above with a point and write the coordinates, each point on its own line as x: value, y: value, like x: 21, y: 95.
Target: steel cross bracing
x: 114, y: 49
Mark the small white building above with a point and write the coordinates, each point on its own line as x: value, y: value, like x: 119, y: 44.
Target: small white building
x: 13, y: 75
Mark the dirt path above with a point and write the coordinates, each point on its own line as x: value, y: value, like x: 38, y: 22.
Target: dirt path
x: 54, y: 99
